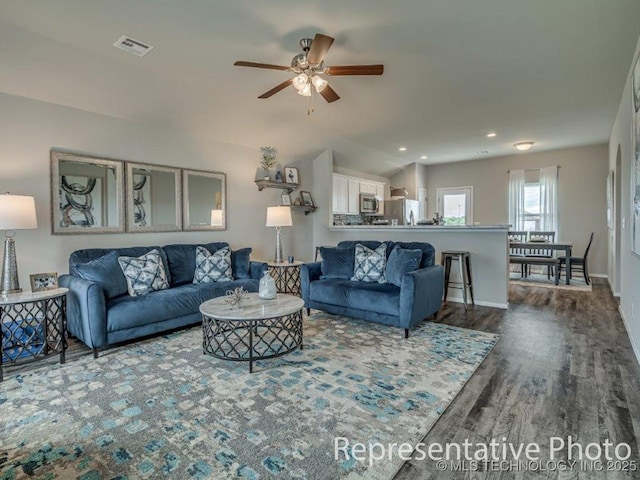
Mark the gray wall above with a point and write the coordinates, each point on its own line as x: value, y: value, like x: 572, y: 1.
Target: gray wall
x: 582, y: 192
x: 620, y: 239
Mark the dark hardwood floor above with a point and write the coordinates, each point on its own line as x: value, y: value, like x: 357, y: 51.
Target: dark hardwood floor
x: 564, y: 366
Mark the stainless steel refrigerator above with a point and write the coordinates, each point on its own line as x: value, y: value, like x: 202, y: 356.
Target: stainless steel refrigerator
x: 405, y: 211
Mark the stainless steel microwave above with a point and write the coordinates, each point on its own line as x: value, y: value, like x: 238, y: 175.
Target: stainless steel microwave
x: 369, y: 203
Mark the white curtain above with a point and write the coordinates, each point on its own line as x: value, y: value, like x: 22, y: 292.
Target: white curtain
x: 516, y: 199
x: 549, y: 199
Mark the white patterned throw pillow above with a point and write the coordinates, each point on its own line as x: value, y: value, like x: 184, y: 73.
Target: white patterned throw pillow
x: 144, y: 274
x: 213, y: 267
x: 370, y: 264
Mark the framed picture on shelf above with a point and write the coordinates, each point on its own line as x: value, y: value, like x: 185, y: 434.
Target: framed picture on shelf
x: 286, y: 199
x: 43, y: 281
x: 307, y: 201
x: 291, y: 175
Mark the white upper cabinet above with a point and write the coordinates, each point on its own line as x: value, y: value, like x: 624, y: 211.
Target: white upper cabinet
x: 353, y: 204
x: 347, y: 190
x: 340, y: 194
x: 367, y: 187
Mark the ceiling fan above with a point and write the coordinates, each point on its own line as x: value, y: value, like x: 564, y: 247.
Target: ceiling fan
x: 309, y: 66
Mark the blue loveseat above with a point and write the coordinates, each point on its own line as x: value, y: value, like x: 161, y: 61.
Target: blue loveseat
x: 418, y: 297
x: 100, y: 312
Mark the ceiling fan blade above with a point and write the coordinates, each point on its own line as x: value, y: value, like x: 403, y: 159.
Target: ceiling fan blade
x: 329, y: 94
x: 319, y: 48
x: 276, y: 89
x: 240, y: 63
x: 355, y: 70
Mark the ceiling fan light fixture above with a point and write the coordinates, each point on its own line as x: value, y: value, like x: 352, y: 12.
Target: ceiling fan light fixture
x: 300, y: 81
x: 305, y: 91
x: 319, y: 83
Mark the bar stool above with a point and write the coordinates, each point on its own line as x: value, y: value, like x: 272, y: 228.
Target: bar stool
x: 464, y: 260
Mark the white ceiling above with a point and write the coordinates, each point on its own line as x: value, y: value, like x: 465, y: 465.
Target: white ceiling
x: 548, y: 71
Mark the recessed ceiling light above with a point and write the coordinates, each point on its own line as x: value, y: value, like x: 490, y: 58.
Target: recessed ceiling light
x: 424, y: 157
x: 522, y: 146
x: 482, y: 152
x: 403, y: 149
x: 491, y: 134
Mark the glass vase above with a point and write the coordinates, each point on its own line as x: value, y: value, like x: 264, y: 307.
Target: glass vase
x: 267, y: 288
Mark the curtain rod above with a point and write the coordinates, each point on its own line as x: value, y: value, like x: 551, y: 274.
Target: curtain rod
x: 534, y: 169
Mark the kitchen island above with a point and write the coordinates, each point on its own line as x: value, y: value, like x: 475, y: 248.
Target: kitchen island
x: 488, y: 245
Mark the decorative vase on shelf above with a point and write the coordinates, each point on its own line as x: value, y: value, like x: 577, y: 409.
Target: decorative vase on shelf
x: 267, y: 288
x: 279, y: 176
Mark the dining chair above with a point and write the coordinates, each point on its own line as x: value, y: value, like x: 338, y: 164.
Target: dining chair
x: 578, y: 263
x: 518, y: 236
x: 542, y: 237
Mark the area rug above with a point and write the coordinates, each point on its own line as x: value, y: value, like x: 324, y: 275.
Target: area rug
x: 541, y: 280
x: 161, y: 409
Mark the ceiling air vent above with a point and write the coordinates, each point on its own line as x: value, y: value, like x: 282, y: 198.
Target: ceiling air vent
x: 130, y: 45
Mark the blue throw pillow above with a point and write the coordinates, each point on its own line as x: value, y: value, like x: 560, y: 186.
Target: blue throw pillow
x: 370, y: 265
x: 106, y: 272
x: 213, y: 267
x: 337, y: 262
x: 401, y: 261
x: 241, y: 263
x: 144, y: 274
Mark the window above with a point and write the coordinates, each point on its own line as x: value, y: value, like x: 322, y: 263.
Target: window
x: 532, y: 206
x: 456, y: 205
x: 533, y: 199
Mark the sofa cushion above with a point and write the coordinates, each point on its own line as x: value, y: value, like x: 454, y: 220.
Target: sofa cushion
x: 182, y: 260
x: 370, y: 264
x: 144, y: 274
x: 106, y: 272
x: 401, y: 261
x: 241, y: 263
x: 212, y: 267
x: 428, y: 252
x: 383, y: 298
x: 128, y: 312
x: 337, y: 262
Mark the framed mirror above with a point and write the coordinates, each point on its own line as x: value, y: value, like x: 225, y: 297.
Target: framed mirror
x: 86, y: 194
x: 204, y: 199
x: 153, y: 198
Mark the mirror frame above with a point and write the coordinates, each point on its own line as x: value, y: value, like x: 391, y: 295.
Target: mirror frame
x: 131, y: 228
x: 185, y: 200
x: 118, y: 165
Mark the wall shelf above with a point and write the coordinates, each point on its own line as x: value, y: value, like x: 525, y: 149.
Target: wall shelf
x: 289, y: 187
x: 303, y: 208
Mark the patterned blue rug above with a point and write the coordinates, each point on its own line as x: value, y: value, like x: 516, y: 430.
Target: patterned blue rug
x: 162, y: 409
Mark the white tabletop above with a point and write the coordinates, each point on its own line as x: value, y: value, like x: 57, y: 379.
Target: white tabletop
x: 284, y: 264
x: 26, y: 297
x: 253, y: 307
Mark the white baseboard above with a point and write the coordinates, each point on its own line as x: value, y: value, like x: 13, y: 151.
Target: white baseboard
x: 635, y: 348
x: 480, y: 303
x: 599, y: 275
x: 616, y: 294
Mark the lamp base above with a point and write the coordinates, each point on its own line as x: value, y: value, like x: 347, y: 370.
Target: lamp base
x: 9, y: 283
x: 278, y: 255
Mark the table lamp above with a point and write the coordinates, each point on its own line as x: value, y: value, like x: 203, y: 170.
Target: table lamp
x: 279, y: 217
x: 216, y: 218
x: 17, y: 212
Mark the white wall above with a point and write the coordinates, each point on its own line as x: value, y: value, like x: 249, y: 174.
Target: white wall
x: 621, y: 137
x: 30, y: 128
x: 582, y: 193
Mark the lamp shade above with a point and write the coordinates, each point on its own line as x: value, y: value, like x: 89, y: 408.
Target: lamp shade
x: 216, y: 218
x: 17, y: 212
x: 279, y: 217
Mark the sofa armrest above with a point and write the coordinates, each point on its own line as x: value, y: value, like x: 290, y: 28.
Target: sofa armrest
x: 421, y: 294
x: 86, y: 310
x: 308, y: 273
x: 257, y: 268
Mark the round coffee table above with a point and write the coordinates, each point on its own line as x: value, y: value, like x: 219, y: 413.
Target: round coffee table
x: 257, y: 330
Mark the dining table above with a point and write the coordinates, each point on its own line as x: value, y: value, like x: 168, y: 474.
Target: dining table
x: 544, y: 245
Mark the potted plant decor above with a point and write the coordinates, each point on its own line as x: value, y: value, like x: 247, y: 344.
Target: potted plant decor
x: 268, y: 159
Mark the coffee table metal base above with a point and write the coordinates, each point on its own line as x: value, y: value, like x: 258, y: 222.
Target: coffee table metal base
x: 251, y: 340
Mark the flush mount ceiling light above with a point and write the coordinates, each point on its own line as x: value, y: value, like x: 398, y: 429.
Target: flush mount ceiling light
x: 309, y: 66
x: 403, y: 149
x: 523, y: 146
x: 491, y: 134
x: 424, y: 157
x: 482, y: 152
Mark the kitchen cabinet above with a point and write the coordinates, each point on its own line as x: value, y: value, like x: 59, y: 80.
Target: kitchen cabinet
x: 367, y: 187
x: 353, y: 204
x: 380, y: 196
x: 340, y: 194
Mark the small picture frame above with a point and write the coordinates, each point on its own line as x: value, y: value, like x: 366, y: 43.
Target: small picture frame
x: 43, y: 281
x: 285, y: 199
x: 291, y: 175
x: 307, y: 201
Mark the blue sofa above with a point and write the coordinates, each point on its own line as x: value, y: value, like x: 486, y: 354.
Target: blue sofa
x: 100, y: 312
x: 418, y: 297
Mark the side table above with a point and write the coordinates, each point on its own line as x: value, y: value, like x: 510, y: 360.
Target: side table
x: 32, y: 324
x: 286, y: 276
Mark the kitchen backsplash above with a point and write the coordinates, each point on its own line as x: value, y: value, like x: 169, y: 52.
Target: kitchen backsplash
x: 354, y: 219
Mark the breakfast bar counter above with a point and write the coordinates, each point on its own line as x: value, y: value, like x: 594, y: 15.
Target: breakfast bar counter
x: 487, y: 244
